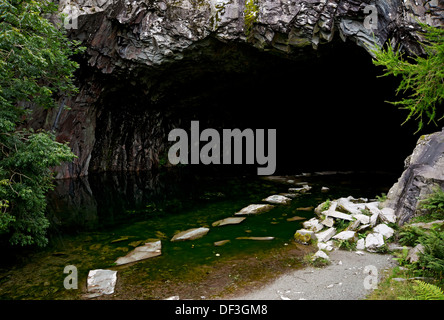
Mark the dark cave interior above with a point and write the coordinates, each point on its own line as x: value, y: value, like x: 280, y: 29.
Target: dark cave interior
x: 329, y: 108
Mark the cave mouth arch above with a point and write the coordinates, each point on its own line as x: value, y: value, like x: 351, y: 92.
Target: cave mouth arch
x: 328, y: 109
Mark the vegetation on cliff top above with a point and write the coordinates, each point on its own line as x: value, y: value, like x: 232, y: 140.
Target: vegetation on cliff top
x: 422, y: 78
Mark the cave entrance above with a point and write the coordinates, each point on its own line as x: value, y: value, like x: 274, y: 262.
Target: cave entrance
x: 328, y: 108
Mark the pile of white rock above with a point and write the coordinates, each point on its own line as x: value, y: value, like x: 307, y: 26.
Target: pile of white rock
x: 366, y: 226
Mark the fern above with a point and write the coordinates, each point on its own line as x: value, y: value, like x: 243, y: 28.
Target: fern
x: 427, y: 291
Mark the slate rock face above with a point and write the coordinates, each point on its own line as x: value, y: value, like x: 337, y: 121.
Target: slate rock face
x: 424, y: 171
x: 140, y: 44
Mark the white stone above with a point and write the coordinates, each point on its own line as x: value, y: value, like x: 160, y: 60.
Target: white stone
x: 362, y: 218
x: 373, y: 241
x: 148, y: 250
x: 328, y: 222
x: 254, y: 209
x: 325, y: 246
x: 320, y: 254
x: 360, y: 245
x: 277, y: 199
x: 326, y: 235
x: 325, y: 189
x: 345, y: 235
x: 338, y: 215
x: 363, y: 227
x: 190, y: 234
x: 101, y: 282
x: 313, y: 224
x: 353, y: 208
x: 384, y: 229
x: 388, y: 215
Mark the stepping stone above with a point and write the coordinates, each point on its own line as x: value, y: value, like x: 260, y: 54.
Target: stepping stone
x: 101, y: 282
x: 254, y: 209
x: 255, y: 238
x: 277, y: 199
x: 221, y: 243
x: 191, y: 234
x: 230, y: 220
x: 148, y: 250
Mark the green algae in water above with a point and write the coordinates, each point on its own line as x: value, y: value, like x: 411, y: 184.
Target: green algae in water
x: 160, y: 215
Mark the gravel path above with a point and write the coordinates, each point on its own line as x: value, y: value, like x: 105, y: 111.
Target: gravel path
x: 344, y: 279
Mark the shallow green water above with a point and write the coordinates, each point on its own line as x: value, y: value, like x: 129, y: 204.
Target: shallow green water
x: 92, y: 228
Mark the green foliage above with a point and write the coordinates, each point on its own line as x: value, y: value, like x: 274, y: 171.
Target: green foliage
x: 251, y: 12
x: 34, y: 67
x: 427, y: 291
x: 422, y: 78
x: 382, y: 197
x: 435, y: 204
x: 326, y: 205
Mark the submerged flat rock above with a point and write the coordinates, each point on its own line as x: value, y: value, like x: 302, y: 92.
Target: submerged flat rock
x: 296, y: 218
x: 230, y: 220
x: 254, y: 209
x: 190, y: 234
x: 148, y: 250
x: 221, y: 243
x: 255, y: 238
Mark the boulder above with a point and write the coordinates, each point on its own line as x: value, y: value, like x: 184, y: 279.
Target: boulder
x: 385, y: 230
x: 100, y: 282
x: 148, y: 250
x: 424, y: 171
x: 374, y: 241
x: 277, y: 199
x: 254, y: 209
x: 230, y: 220
x: 190, y: 234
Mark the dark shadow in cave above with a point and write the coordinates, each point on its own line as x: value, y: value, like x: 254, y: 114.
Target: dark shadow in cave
x: 329, y: 111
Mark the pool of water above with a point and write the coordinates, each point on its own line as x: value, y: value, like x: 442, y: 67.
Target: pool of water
x: 96, y: 220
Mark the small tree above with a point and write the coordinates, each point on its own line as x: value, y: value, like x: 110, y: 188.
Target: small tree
x: 422, y: 77
x: 34, y: 67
